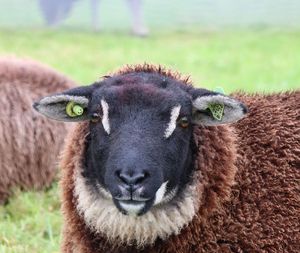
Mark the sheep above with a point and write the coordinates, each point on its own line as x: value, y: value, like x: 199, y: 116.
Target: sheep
x: 156, y: 165
x: 29, y: 144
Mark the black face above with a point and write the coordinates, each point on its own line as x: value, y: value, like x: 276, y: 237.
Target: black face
x: 139, y: 151
x: 146, y: 155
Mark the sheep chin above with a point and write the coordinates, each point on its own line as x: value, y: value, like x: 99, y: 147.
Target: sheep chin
x: 102, y: 216
x: 131, y: 208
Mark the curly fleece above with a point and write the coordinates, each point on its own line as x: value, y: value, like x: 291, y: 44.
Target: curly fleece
x: 248, y: 191
x: 29, y: 144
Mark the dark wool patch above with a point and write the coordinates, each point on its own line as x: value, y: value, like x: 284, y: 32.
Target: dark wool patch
x: 29, y: 143
x: 155, y: 69
x: 251, y: 186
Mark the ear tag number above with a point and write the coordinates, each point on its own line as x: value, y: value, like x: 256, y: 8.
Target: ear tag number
x: 217, y: 111
x: 74, y: 110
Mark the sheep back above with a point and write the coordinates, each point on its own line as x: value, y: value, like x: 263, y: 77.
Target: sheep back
x: 29, y: 143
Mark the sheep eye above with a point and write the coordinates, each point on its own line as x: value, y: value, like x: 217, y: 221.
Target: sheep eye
x: 95, y: 117
x: 183, y: 122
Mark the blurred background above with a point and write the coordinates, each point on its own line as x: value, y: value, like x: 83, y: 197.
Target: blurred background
x: 159, y: 14
x: 250, y: 45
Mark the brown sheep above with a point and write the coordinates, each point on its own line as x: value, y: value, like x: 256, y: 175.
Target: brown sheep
x: 29, y: 144
x: 242, y: 189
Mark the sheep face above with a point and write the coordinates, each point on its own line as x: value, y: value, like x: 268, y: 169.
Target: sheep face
x: 139, y: 153
x: 141, y: 149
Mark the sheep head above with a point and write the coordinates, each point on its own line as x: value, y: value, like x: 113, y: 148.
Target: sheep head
x: 136, y: 179
x: 140, y: 147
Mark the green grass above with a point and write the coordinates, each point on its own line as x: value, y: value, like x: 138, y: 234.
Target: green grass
x: 31, y: 222
x: 253, y: 61
x: 248, y: 60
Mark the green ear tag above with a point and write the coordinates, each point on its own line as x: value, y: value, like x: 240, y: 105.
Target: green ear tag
x: 74, y: 110
x: 219, y: 89
x: 217, y: 110
x: 78, y: 110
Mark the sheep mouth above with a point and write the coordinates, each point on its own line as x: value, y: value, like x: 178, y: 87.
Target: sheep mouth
x: 133, y: 207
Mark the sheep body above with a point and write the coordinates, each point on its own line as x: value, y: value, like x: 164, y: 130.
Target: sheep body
x: 262, y: 212
x: 245, y: 188
x: 29, y: 144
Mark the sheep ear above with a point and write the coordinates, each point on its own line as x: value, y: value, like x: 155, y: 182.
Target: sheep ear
x: 71, y: 105
x: 213, y: 108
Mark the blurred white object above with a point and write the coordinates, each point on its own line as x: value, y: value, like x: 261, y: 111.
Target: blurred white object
x: 136, y: 10
x: 55, y: 11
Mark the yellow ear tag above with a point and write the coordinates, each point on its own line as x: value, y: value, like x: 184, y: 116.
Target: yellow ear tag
x: 74, y: 110
x: 217, y: 110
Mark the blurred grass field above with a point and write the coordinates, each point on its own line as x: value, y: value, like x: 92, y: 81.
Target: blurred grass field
x: 254, y: 61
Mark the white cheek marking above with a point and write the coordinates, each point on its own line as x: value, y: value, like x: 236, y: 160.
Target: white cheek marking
x: 105, y: 119
x: 132, y: 209
x: 159, y: 195
x: 104, y: 192
x: 172, y: 123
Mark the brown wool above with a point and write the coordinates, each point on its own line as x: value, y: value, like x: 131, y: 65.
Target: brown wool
x: 29, y: 143
x: 150, y: 68
x: 250, y: 186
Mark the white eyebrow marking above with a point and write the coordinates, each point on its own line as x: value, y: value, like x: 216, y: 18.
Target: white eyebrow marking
x: 105, y: 119
x: 172, y: 123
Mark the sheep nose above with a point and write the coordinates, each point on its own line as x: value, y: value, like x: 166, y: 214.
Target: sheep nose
x: 133, y: 179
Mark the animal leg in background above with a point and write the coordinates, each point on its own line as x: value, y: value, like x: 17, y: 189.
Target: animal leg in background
x: 55, y: 11
x: 136, y: 10
x: 95, y: 14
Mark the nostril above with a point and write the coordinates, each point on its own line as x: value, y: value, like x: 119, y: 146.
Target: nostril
x: 121, y: 176
x: 118, y: 173
x: 140, y: 178
x: 132, y: 178
x: 146, y: 174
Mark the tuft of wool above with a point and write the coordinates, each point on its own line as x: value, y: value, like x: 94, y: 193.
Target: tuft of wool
x: 151, y: 68
x: 29, y: 143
